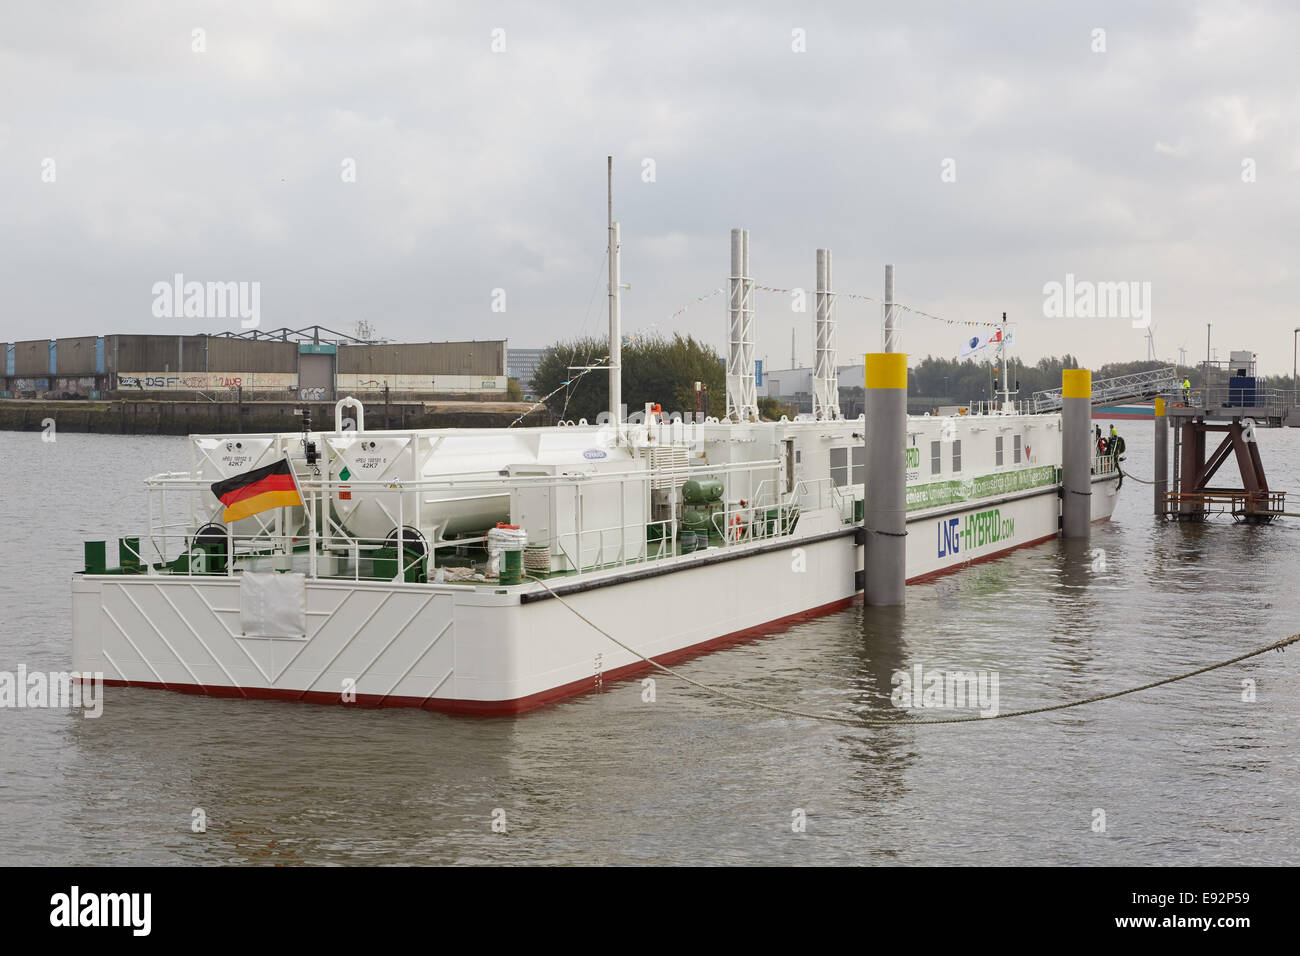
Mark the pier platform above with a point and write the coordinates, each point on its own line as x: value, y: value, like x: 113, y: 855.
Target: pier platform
x: 1241, y: 505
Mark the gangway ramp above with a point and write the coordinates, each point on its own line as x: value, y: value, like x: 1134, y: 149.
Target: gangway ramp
x: 1121, y: 388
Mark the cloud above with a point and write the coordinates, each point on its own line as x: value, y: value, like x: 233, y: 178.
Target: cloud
x: 478, y: 170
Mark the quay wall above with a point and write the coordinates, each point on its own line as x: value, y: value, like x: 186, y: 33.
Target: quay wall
x: 165, y: 417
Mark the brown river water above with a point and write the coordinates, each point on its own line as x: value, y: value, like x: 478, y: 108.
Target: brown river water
x: 1189, y: 773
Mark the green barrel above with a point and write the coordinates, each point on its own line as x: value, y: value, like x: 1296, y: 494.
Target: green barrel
x: 512, y: 565
x: 96, y: 558
x: 695, y: 521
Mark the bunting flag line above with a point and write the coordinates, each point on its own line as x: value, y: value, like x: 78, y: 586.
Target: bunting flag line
x: 635, y: 337
x: 938, y: 318
x: 696, y: 301
x: 555, y: 391
x: 897, y: 305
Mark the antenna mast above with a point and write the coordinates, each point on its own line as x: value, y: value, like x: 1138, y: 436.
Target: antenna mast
x: 615, y: 329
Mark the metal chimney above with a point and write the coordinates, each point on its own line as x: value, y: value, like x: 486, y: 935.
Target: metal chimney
x: 893, y: 320
x: 742, y: 393
x: 825, y: 384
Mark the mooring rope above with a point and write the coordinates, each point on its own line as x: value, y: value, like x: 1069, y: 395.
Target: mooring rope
x: 909, y: 721
x: 1134, y: 477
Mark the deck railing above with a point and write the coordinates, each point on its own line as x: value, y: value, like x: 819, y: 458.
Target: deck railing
x: 321, y: 547
x: 1016, y: 406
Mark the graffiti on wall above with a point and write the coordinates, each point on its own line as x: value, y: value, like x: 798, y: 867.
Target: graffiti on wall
x: 162, y: 381
x: 424, y: 383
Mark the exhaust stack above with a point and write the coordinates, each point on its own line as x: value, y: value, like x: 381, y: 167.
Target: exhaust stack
x: 893, y: 321
x: 825, y: 384
x: 742, y: 393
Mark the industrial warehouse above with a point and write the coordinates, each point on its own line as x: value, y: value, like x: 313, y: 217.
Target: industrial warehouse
x: 311, y: 364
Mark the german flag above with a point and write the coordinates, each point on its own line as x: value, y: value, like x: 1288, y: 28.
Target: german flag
x: 258, y: 490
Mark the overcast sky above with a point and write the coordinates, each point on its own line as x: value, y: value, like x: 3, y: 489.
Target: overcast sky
x: 479, y: 170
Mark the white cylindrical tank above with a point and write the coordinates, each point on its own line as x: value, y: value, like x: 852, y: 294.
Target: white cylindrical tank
x: 378, y: 467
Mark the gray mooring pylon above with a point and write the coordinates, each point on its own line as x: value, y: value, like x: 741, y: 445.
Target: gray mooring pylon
x: 884, y: 514
x: 1076, y: 452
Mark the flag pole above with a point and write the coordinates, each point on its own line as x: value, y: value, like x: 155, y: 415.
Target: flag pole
x: 311, y: 523
x: 1002, y: 358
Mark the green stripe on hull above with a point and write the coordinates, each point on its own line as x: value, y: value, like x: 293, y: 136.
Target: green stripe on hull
x: 938, y: 493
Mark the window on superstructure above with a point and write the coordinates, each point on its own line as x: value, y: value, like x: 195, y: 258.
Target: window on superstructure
x: 997, y: 451
x: 839, y: 467
x: 935, y: 451
x: 1015, y: 449
x: 956, y: 454
x: 859, y: 475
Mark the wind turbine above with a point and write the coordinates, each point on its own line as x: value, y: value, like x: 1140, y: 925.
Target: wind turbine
x: 1151, y: 343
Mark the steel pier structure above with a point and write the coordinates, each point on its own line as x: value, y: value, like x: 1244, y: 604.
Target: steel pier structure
x: 1194, y: 465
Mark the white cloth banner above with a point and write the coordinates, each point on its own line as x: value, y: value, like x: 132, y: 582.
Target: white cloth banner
x: 273, y: 604
x: 978, y: 343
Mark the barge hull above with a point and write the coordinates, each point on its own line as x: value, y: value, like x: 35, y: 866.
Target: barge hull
x: 497, y: 651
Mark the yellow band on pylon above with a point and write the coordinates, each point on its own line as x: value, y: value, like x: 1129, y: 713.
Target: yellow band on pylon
x: 1076, y: 383
x: 887, y: 370
x: 1160, y: 408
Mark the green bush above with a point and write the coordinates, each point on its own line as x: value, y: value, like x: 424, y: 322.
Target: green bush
x: 655, y: 369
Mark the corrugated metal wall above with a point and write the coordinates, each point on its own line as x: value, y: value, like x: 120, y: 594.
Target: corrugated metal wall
x: 424, y: 358
x: 156, y: 353
x: 32, y: 358
x: 245, y: 355
x: 177, y: 354
x: 76, y: 356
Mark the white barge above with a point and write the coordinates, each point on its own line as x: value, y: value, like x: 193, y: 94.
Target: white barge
x: 378, y: 588
x: 779, y: 504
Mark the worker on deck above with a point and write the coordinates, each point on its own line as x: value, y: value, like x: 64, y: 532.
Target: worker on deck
x: 1187, y: 391
x: 1100, y: 447
x: 1113, y: 435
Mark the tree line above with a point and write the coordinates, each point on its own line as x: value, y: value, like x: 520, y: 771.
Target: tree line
x: 665, y: 370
